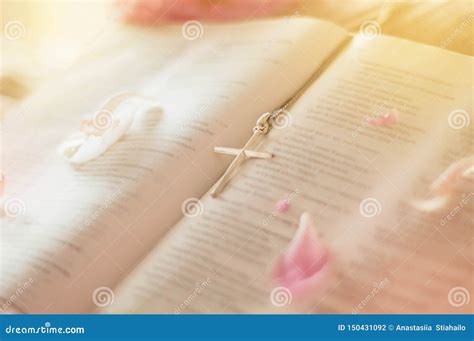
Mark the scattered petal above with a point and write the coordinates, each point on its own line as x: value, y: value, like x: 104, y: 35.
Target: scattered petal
x: 468, y: 173
x: 389, y: 118
x: 283, y: 206
x: 456, y: 179
x: 432, y: 204
x: 84, y: 147
x: 153, y: 11
x: 452, y: 176
x: 304, y: 268
x: 105, y: 128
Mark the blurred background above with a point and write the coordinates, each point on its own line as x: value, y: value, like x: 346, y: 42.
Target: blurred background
x: 40, y: 38
x: 43, y: 38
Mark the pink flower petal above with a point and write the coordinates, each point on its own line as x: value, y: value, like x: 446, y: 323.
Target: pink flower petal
x: 384, y: 120
x: 305, y: 267
x: 282, y: 206
x: 152, y: 11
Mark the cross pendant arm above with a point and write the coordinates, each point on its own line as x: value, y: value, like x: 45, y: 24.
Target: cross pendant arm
x: 248, y: 153
x: 241, y: 156
x: 262, y: 127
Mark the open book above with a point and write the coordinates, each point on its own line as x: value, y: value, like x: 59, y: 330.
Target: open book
x: 136, y: 230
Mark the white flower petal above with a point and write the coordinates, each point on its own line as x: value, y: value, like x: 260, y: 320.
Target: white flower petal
x: 84, y: 147
x: 432, y: 204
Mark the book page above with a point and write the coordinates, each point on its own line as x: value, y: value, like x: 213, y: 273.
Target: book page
x: 357, y: 180
x: 78, y: 228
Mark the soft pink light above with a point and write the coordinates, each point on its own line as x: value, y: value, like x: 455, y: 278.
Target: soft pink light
x: 153, y: 11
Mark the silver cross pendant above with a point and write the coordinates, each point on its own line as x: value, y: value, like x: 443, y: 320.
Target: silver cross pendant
x: 261, y: 128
